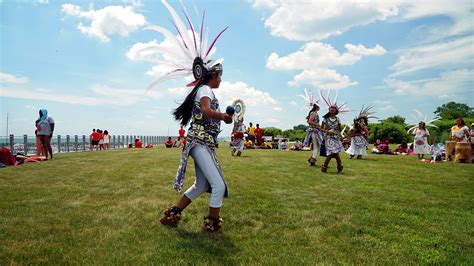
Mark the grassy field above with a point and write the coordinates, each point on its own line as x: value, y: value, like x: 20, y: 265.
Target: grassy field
x: 103, y: 208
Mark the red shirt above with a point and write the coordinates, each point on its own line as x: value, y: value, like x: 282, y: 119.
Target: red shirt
x: 181, y: 132
x: 138, y: 144
x: 95, y: 136
x: 259, y: 132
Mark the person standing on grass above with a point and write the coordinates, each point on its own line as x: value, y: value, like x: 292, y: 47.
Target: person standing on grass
x: 201, y: 107
x: 421, y: 146
x: 95, y: 137
x: 181, y: 133
x: 106, y: 138
x: 101, y: 139
x: 39, y: 146
x: 45, y: 127
x: 314, y: 136
x: 459, y: 132
x: 331, y: 127
x: 237, y: 142
x: 259, y: 135
x: 251, y: 133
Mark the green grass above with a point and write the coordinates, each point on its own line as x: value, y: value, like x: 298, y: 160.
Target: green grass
x: 103, y: 208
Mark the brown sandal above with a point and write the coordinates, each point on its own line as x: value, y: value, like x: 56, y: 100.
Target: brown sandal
x: 339, y: 169
x: 213, y: 224
x: 324, y: 169
x: 171, y: 216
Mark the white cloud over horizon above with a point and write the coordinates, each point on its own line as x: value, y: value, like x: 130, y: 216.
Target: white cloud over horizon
x: 101, y: 95
x: 14, y: 79
x: 447, y: 85
x: 110, y: 20
x: 318, y: 60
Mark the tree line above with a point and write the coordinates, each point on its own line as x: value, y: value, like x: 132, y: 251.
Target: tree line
x: 394, y: 128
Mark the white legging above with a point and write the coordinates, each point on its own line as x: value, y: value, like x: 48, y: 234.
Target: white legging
x: 240, y: 146
x: 315, y: 142
x: 207, y: 175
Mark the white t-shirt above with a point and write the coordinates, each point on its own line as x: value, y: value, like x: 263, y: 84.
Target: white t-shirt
x: 204, y: 91
x: 46, y: 126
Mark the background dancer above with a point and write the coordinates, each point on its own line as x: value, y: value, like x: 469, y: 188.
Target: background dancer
x: 359, y: 133
x: 331, y: 126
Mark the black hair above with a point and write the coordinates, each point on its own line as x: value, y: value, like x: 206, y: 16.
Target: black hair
x: 312, y: 110
x: 462, y: 121
x: 106, y: 132
x: 184, y: 111
x: 329, y: 113
x: 424, y: 125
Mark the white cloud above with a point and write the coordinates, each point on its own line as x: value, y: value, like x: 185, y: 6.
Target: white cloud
x: 270, y: 4
x: 448, y: 84
x: 317, y: 60
x: 384, y: 105
x: 318, y: 20
x: 446, y: 55
x: 42, y: 2
x: 362, y: 50
x: 101, y: 95
x: 311, y: 55
x: 107, y: 21
x: 323, y: 78
x: 15, y: 79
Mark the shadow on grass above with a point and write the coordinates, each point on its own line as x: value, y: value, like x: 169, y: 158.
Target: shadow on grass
x: 217, y: 247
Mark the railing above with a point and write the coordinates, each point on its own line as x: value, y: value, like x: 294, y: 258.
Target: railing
x: 75, y: 143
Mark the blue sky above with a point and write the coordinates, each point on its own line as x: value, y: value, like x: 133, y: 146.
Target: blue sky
x: 76, y: 59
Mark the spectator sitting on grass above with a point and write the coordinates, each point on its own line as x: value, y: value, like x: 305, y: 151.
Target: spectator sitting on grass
x: 402, y: 149
x: 437, y: 151
x: 169, y: 143
x: 378, y: 147
x: 264, y: 145
x: 274, y: 143
x: 283, y: 145
x: 297, y: 146
x: 138, y: 144
x: 248, y: 144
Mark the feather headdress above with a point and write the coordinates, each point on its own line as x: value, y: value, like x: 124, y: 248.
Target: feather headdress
x: 342, y: 108
x: 191, y: 52
x: 365, y: 114
x: 309, y: 98
x: 419, y: 117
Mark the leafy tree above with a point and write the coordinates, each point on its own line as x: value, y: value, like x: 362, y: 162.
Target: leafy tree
x: 453, y: 110
x: 396, y: 133
x: 396, y: 119
x: 300, y: 127
x: 294, y: 134
x: 272, y: 131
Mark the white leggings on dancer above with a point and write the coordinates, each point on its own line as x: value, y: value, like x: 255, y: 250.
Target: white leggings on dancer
x: 315, y: 142
x: 207, y: 175
x: 240, y: 146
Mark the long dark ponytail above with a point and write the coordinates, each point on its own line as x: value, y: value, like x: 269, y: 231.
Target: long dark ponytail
x: 184, y: 111
x: 312, y: 110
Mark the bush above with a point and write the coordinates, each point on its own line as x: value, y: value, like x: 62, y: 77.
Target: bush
x: 395, y: 133
x: 272, y: 131
x: 294, y: 134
